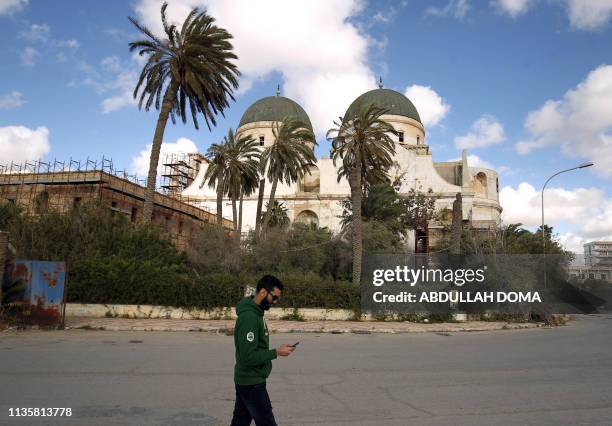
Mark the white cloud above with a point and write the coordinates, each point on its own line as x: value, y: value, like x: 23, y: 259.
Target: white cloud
x: 11, y: 100
x: 485, y: 131
x: 580, y: 123
x: 69, y: 44
x: 585, y: 15
x: 28, y: 56
x: 321, y: 55
x: 123, y: 85
x: 36, y: 33
x: 118, y: 34
x: 114, y: 79
x: 387, y: 15
x: 505, y: 170
x: 573, y: 242
x: 514, y: 8
x: 476, y: 161
x: 454, y: 8
x: 41, y: 34
x: 111, y: 63
x: 431, y: 107
x: 382, y: 17
x: 585, y: 211
x: 18, y: 143
x: 589, y: 14
x: 140, y: 163
x: 11, y: 6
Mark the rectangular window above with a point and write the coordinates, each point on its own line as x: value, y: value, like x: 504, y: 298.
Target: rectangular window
x: 134, y: 214
x: 418, y: 139
x: 261, y: 141
x: 604, y: 277
x: 76, y: 202
x: 592, y: 276
x: 401, y: 136
x: 114, y: 204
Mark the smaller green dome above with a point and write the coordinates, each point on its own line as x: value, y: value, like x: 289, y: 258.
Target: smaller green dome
x: 274, y: 108
x: 395, y: 102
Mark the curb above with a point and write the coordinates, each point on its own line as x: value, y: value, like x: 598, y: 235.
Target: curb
x: 322, y: 330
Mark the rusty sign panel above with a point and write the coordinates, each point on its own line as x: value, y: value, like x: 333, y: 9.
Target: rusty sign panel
x: 44, y: 293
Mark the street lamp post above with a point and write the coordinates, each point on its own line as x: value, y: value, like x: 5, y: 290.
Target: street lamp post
x: 581, y: 166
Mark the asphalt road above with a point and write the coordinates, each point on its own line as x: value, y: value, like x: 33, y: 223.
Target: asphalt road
x: 536, y: 377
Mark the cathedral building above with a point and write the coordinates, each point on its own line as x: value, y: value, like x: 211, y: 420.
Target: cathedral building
x: 317, y: 197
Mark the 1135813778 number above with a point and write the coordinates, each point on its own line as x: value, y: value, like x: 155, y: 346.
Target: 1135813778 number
x: 39, y: 412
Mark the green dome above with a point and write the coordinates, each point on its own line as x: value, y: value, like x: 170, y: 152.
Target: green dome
x: 395, y: 102
x: 274, y: 108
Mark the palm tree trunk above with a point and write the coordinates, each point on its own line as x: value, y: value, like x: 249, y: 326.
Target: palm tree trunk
x: 239, y: 232
x: 356, y: 194
x: 262, y: 185
x: 268, y: 215
x: 240, y: 214
x: 220, y: 185
x: 149, y: 196
x: 234, y: 213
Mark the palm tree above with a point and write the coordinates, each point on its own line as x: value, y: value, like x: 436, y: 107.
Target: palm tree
x: 260, y: 195
x: 289, y: 157
x: 242, y: 169
x: 218, y: 156
x: 190, y: 66
x: 249, y: 185
x: 279, y: 216
x: 366, y: 150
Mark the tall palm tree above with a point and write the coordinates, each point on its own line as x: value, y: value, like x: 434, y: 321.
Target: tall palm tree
x: 260, y: 195
x: 363, y: 145
x: 218, y: 156
x: 249, y: 186
x: 190, y: 66
x: 289, y: 157
x: 242, y: 168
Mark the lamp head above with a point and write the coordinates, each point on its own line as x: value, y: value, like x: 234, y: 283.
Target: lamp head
x: 587, y: 164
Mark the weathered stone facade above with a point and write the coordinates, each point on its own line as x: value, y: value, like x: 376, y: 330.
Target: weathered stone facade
x: 317, y: 198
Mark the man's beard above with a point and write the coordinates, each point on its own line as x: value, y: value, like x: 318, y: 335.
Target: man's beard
x: 265, y: 304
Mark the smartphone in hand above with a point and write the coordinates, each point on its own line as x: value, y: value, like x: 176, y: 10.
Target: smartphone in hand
x: 295, y: 344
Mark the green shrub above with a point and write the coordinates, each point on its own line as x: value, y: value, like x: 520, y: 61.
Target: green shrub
x: 112, y: 261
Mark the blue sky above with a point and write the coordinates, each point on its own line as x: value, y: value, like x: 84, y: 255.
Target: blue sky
x: 526, y: 85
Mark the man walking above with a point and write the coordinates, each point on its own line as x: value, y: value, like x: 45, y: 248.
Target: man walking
x: 254, y: 356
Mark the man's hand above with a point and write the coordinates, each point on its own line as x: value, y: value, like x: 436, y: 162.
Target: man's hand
x: 284, y: 350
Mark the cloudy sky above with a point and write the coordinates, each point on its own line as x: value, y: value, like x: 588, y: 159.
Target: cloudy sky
x: 524, y: 85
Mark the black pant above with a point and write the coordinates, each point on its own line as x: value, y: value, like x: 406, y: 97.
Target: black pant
x: 253, y: 403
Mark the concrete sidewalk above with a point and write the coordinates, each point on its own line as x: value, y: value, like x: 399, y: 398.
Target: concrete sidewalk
x: 277, y: 326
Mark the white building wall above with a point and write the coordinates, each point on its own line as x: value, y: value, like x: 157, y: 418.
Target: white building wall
x: 414, y: 161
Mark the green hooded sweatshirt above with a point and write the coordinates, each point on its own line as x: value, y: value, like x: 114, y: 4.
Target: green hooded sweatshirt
x: 253, y: 354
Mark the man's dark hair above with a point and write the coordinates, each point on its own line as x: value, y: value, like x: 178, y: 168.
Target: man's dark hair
x: 269, y: 282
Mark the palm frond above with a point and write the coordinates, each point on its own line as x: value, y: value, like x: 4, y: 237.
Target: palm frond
x: 196, y: 61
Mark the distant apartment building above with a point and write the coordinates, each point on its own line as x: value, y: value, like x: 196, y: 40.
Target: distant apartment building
x: 598, y: 252
x: 596, y: 263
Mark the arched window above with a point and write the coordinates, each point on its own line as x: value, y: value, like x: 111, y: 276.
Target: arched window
x: 480, y: 185
x: 307, y: 217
